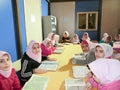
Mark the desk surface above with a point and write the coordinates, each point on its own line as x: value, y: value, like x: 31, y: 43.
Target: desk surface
x: 64, y: 71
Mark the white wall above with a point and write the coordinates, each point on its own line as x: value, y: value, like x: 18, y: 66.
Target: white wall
x: 65, y: 13
x: 33, y: 20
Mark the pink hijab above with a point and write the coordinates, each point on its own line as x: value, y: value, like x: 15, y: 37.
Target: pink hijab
x: 6, y: 73
x: 89, y: 43
x: 46, y: 41
x: 106, y: 70
x: 56, y: 38
x: 31, y: 54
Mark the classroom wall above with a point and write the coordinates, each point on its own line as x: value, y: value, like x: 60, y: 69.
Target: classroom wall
x: 86, y: 6
x: 110, y: 16
x: 44, y: 7
x: 65, y: 13
x: 22, y: 25
x: 33, y: 20
x: 7, y: 33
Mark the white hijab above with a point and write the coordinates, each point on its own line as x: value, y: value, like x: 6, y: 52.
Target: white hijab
x: 6, y: 73
x: 66, y: 33
x: 75, y: 39
x: 106, y: 70
x: 105, y: 35
x: 108, y: 50
x: 84, y: 38
x: 31, y: 54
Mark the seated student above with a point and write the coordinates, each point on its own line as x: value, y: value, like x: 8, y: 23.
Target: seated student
x: 47, y: 47
x: 54, y: 38
x: 75, y: 39
x: 85, y: 36
x: 117, y: 38
x: 116, y: 50
x: 88, y: 53
x: 103, y: 50
x: 30, y: 61
x: 109, y: 40
x: 105, y: 74
x: 104, y: 37
x: 8, y: 77
x: 66, y: 38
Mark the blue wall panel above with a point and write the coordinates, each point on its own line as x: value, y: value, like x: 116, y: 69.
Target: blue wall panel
x: 44, y: 5
x: 22, y: 24
x: 7, y: 35
x: 86, y: 6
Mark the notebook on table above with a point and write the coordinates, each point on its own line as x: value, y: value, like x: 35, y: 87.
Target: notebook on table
x: 36, y: 83
x: 75, y: 84
x: 80, y: 71
x: 49, y: 65
x: 58, y: 50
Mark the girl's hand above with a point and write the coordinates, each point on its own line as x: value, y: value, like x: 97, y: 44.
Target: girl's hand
x: 52, y: 59
x: 40, y: 71
x: 88, y: 86
x: 89, y: 75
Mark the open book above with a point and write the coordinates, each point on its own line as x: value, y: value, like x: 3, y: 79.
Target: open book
x: 36, y: 83
x: 58, y: 50
x: 49, y: 65
x: 75, y: 84
x: 80, y: 71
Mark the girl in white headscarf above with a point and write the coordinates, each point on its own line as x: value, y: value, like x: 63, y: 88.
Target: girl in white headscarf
x: 8, y: 77
x: 85, y: 36
x: 75, y: 39
x: 103, y: 50
x: 30, y: 61
x: 105, y: 74
x: 66, y: 38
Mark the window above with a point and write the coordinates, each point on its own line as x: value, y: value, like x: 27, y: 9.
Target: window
x: 87, y: 20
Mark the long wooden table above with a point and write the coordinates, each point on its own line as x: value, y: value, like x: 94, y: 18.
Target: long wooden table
x: 64, y: 71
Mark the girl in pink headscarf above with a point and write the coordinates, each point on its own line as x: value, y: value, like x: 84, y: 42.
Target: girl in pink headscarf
x: 54, y: 38
x: 8, y: 77
x: 47, y: 47
x: 105, y: 74
x: 31, y: 61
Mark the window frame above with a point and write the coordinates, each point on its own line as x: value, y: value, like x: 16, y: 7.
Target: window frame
x: 86, y: 24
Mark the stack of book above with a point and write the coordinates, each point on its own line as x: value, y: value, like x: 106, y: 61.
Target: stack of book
x: 36, y: 83
x: 77, y: 57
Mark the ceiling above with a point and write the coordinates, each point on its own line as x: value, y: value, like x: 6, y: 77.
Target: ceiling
x: 60, y: 0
